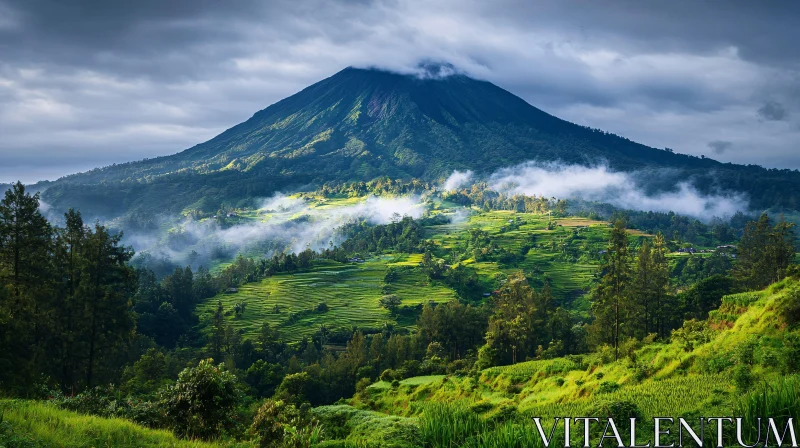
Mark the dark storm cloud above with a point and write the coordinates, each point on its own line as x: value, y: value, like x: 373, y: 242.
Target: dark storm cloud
x: 720, y: 146
x: 772, y: 110
x: 92, y: 82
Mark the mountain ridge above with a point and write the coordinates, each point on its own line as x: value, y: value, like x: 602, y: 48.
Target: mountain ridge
x: 360, y: 124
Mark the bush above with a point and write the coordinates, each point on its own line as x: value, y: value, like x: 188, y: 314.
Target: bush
x: 742, y: 377
x: 280, y: 424
x: 641, y: 371
x: 744, y: 352
x: 388, y: 375
x: 789, y: 307
x: 620, y: 411
x: 481, y: 406
x: 607, y: 387
x: 362, y: 385
x: 693, y: 334
x: 202, y: 402
x: 505, y: 412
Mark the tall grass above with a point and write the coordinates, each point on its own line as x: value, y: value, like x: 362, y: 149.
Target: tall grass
x: 456, y: 426
x: 779, y: 399
x: 49, y: 426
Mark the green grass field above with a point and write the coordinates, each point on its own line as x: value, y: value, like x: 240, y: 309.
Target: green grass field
x: 37, y: 424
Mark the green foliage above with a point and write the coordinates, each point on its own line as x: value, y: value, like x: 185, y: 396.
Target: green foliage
x: 742, y: 377
x: 358, y: 428
x: 693, y: 334
x: 391, y: 302
x: 765, y: 252
x: 789, y: 307
x: 278, y: 424
x: 606, y: 387
x: 201, y: 403
x: 71, y: 290
x: 779, y: 399
x: 35, y: 424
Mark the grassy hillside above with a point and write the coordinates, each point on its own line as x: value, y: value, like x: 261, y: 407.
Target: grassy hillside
x: 351, y: 292
x: 567, y: 256
x: 656, y: 379
x: 563, y: 252
x: 36, y: 424
x: 662, y: 379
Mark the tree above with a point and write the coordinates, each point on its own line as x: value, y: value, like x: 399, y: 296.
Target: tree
x: 24, y: 240
x: 107, y: 283
x: 202, y: 402
x: 610, y: 295
x: 764, y: 252
x: 391, y: 302
x: 512, y: 324
x: 642, y: 292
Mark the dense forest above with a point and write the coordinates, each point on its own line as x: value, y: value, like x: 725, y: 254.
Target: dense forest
x: 88, y: 332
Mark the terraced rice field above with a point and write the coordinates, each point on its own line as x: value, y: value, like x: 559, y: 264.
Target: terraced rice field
x: 351, y: 292
x: 569, y: 278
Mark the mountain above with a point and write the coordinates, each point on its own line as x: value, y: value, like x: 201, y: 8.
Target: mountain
x: 360, y: 124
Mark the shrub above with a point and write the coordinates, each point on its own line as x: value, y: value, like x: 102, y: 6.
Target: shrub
x: 742, y: 377
x: 607, y: 387
x: 505, y: 412
x: 641, y: 371
x: 620, y: 411
x: 716, y: 364
x: 268, y: 423
x: 481, y: 406
x: 743, y: 354
x: 362, y: 385
x: 388, y: 375
x: 202, y: 402
x: 693, y: 334
x: 789, y: 307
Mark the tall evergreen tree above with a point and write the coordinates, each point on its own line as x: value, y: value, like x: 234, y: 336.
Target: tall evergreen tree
x: 661, y: 299
x: 107, y: 283
x: 25, y: 275
x: 610, y: 295
x: 764, y: 252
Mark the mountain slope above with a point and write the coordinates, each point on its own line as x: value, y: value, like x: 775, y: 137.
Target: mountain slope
x: 361, y: 124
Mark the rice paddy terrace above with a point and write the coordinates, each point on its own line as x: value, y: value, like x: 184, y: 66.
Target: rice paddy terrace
x: 564, y: 252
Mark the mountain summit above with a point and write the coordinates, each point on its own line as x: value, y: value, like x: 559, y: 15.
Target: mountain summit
x: 360, y: 124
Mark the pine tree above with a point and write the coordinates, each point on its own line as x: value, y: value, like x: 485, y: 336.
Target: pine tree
x: 106, y: 285
x: 610, y: 296
x: 764, y: 252
x: 642, y: 294
x: 660, y: 286
x: 27, y: 280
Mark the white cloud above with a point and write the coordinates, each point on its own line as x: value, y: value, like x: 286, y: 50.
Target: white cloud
x: 457, y: 179
x: 619, y: 189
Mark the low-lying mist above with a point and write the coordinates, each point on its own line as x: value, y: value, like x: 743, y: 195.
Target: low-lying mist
x: 281, y: 223
x: 623, y: 190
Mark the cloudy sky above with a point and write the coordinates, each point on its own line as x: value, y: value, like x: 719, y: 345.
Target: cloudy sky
x: 92, y: 82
